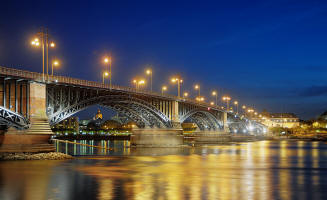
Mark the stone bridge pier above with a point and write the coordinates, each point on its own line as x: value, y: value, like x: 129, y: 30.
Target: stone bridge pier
x: 28, y: 100
x: 160, y: 137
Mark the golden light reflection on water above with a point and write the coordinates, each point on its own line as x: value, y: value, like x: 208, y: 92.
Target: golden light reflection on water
x: 258, y: 170
x: 230, y: 174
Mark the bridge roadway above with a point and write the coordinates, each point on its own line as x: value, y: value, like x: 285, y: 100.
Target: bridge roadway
x: 29, y: 103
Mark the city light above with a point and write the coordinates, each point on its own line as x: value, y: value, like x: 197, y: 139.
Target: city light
x: 42, y: 39
x: 197, y: 87
x: 185, y: 94
x: 138, y: 83
x: 149, y: 72
x: 227, y: 99
x: 105, y: 74
x: 236, y: 104
x: 178, y: 81
x: 107, y: 60
x: 164, y: 88
x: 215, y: 94
x: 54, y: 63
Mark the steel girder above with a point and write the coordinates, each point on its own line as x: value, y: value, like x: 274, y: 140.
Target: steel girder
x: 203, y: 118
x: 150, y: 115
x: 13, y: 119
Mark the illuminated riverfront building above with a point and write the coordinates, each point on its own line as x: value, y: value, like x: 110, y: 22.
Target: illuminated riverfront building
x: 71, y: 123
x: 98, y: 115
x: 285, y: 120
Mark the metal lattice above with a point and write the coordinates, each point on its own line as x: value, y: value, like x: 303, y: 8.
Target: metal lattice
x: 13, y: 119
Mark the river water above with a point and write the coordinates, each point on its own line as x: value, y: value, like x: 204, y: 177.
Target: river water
x: 254, y: 170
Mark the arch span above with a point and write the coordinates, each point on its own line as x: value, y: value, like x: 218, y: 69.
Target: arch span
x: 204, y: 119
x: 138, y: 110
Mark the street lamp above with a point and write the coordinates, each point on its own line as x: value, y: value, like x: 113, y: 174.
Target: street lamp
x: 138, y: 83
x: 197, y: 87
x: 54, y: 63
x: 199, y: 99
x: 236, y: 104
x: 178, y: 81
x: 103, y: 75
x: 44, y: 43
x: 135, y: 82
x: 164, y: 88
x: 141, y: 82
x: 215, y: 93
x: 149, y: 72
x: 250, y: 111
x: 212, y: 103
x: 227, y: 99
x: 107, y: 60
x: 185, y: 94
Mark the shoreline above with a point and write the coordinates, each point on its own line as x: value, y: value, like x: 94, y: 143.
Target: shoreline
x: 35, y: 156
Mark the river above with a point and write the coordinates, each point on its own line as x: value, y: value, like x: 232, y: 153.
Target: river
x: 253, y: 170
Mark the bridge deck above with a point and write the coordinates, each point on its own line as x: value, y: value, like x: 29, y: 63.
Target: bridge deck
x: 38, y: 77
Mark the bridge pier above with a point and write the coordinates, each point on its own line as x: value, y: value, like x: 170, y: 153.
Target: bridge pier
x: 157, y: 137
x: 160, y: 137
x: 225, y: 122
x: 39, y: 132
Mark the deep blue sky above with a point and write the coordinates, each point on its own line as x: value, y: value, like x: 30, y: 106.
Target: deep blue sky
x: 268, y: 54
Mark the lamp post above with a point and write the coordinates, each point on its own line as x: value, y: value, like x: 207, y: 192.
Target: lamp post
x: 42, y: 40
x: 103, y: 75
x: 108, y: 61
x: 197, y: 87
x: 244, y: 109
x: 227, y: 99
x: 54, y: 63
x: 236, y: 104
x: 178, y: 81
x: 138, y: 82
x: 250, y: 111
x: 215, y: 93
x: 149, y: 72
x: 185, y: 94
x: 164, y: 88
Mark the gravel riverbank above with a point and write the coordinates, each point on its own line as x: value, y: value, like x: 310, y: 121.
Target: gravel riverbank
x: 35, y: 156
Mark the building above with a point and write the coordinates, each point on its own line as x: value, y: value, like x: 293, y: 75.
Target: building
x: 285, y: 120
x: 69, y: 124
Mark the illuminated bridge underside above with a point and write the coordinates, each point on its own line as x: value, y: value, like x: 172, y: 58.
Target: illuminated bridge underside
x: 9, y: 118
x: 56, y: 98
x: 64, y: 101
x: 146, y: 111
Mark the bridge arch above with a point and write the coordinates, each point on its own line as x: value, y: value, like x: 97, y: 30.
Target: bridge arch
x: 137, y: 110
x: 204, y: 119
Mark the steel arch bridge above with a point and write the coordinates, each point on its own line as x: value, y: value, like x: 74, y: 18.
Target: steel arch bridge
x: 65, y: 96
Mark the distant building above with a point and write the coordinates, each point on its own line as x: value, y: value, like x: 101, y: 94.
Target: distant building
x: 71, y: 123
x: 285, y: 120
x: 98, y: 115
x: 83, y: 124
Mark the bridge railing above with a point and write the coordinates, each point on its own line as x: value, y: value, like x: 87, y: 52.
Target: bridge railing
x: 85, y: 83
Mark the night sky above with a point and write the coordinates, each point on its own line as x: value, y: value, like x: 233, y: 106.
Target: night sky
x: 268, y: 54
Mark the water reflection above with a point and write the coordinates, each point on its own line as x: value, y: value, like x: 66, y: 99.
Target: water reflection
x: 258, y: 170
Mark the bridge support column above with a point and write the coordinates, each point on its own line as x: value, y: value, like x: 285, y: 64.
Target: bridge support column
x: 226, y: 128
x: 157, y: 137
x: 160, y: 137
x: 39, y: 132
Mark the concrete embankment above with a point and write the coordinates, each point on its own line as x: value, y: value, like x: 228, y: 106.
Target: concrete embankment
x: 212, y: 138
x: 35, y: 156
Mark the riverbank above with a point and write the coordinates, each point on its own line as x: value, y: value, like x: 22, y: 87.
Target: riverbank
x: 92, y: 137
x: 35, y: 156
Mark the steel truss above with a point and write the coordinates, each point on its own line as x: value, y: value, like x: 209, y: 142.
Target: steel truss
x: 13, y: 119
